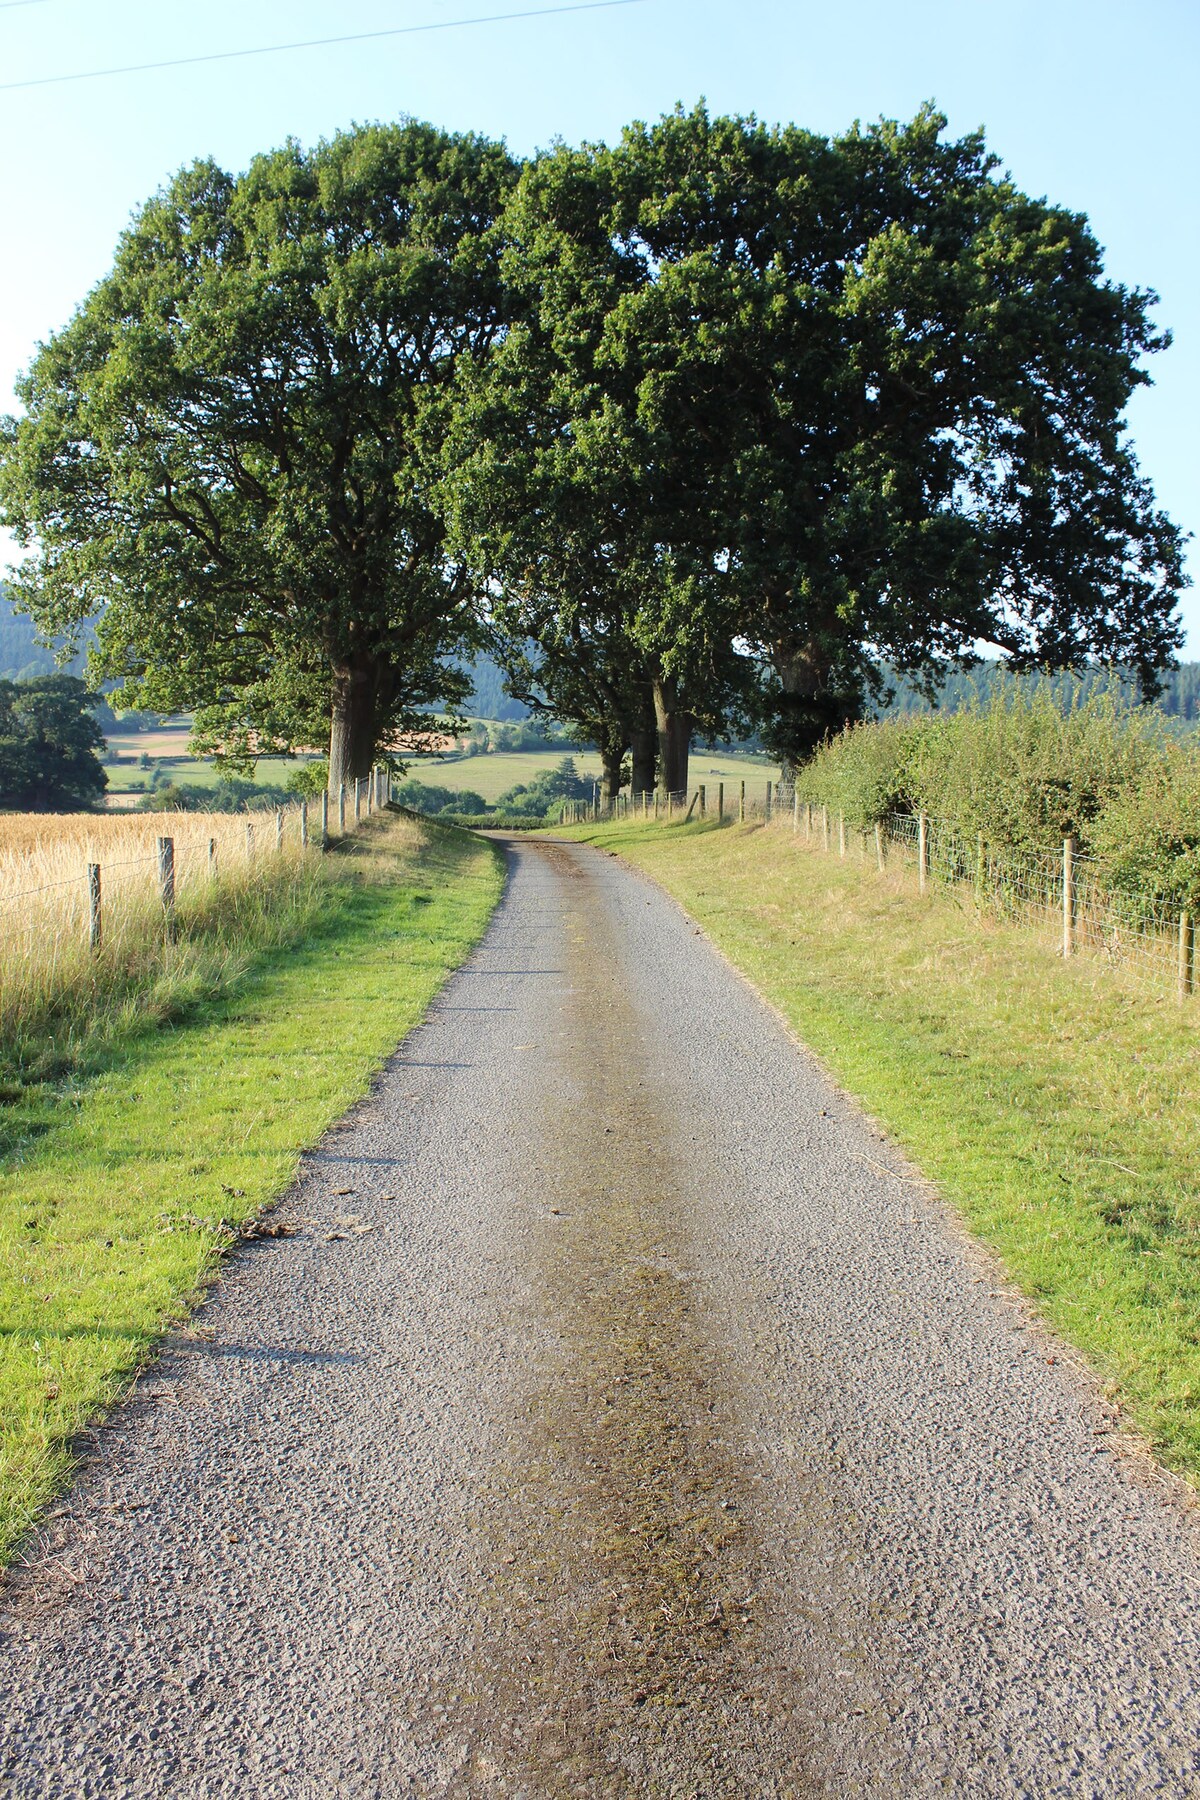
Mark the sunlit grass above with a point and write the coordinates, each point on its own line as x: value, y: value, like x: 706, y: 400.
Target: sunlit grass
x: 1054, y: 1107
x: 114, y: 1187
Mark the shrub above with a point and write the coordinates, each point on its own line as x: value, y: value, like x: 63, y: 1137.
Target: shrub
x: 1020, y: 769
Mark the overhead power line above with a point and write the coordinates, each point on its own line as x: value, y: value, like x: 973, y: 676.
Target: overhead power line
x: 356, y: 37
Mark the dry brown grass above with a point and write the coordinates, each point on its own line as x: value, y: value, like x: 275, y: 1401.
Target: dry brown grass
x: 231, y: 872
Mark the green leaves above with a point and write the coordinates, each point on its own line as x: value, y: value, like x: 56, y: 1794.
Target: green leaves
x: 230, y: 453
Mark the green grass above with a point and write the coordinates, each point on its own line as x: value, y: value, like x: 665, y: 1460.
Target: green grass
x: 123, y: 778
x: 115, y: 1204
x: 1054, y: 1108
x: 491, y: 775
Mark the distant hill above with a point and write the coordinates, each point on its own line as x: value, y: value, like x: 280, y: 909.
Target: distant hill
x: 1180, y: 698
x: 21, y: 656
x: 489, y: 700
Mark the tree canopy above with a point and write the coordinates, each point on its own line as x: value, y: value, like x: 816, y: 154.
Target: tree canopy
x: 227, y: 454
x: 828, y: 401
x: 49, y: 745
x: 707, y: 428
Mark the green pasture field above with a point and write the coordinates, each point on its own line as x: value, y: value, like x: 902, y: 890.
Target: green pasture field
x: 128, y: 1182
x: 493, y: 774
x: 1054, y: 1108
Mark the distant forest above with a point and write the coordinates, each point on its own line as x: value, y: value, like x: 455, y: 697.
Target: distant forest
x: 22, y: 657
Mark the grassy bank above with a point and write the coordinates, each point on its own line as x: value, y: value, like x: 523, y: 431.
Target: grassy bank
x: 1055, y: 1111
x: 117, y: 1196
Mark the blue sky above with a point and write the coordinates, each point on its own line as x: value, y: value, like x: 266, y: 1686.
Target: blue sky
x: 1089, y: 102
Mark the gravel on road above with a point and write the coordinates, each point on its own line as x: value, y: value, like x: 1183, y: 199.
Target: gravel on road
x: 624, y: 1417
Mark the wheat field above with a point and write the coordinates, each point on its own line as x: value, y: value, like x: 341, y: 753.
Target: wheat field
x: 232, y: 873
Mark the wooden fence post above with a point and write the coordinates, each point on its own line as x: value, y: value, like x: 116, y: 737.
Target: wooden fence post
x: 841, y: 834
x: 824, y: 828
x: 279, y: 828
x: 1187, y: 954
x: 703, y: 798
x: 795, y: 811
x: 922, y: 852
x: 767, y: 814
x: 720, y: 803
x: 980, y: 867
x: 166, y: 883
x: 325, y: 818
x: 212, y: 859
x: 341, y: 809
x: 93, y: 881
x: 1068, y: 896
x: 742, y: 806
x: 879, y: 858
x: 304, y: 824
x: 358, y: 799
x: 249, y: 842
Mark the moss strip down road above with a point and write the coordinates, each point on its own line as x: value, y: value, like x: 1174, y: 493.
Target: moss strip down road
x: 115, y: 1213
x: 1055, y: 1110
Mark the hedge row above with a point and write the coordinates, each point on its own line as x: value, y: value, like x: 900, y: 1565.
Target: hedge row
x: 1026, y: 773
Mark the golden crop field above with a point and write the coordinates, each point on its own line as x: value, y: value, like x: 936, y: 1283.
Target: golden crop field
x: 222, y: 863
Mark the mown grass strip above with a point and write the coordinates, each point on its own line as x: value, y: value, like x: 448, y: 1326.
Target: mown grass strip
x: 110, y: 1215
x: 1054, y: 1109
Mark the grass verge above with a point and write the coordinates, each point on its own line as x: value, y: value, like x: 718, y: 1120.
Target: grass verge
x: 116, y: 1201
x: 1055, y: 1110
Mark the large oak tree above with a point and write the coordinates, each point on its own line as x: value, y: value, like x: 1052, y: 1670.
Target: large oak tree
x: 892, y: 387
x: 821, y: 403
x: 228, y: 455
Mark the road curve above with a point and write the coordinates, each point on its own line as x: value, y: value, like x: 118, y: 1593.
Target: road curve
x: 624, y: 1418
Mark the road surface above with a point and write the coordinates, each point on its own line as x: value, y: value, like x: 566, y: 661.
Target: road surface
x: 624, y: 1418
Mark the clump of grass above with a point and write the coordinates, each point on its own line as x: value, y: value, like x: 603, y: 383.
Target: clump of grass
x: 1054, y: 1109
x: 118, y: 1200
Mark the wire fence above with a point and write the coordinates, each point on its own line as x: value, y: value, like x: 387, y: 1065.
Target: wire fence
x: 86, y: 896
x: 1057, y: 891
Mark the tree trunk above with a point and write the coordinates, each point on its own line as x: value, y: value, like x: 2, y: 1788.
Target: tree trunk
x: 674, y: 727
x: 354, y: 724
x: 611, y: 757
x: 642, y: 745
x: 819, y: 698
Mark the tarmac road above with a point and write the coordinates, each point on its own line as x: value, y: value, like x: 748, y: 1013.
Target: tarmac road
x: 625, y: 1418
